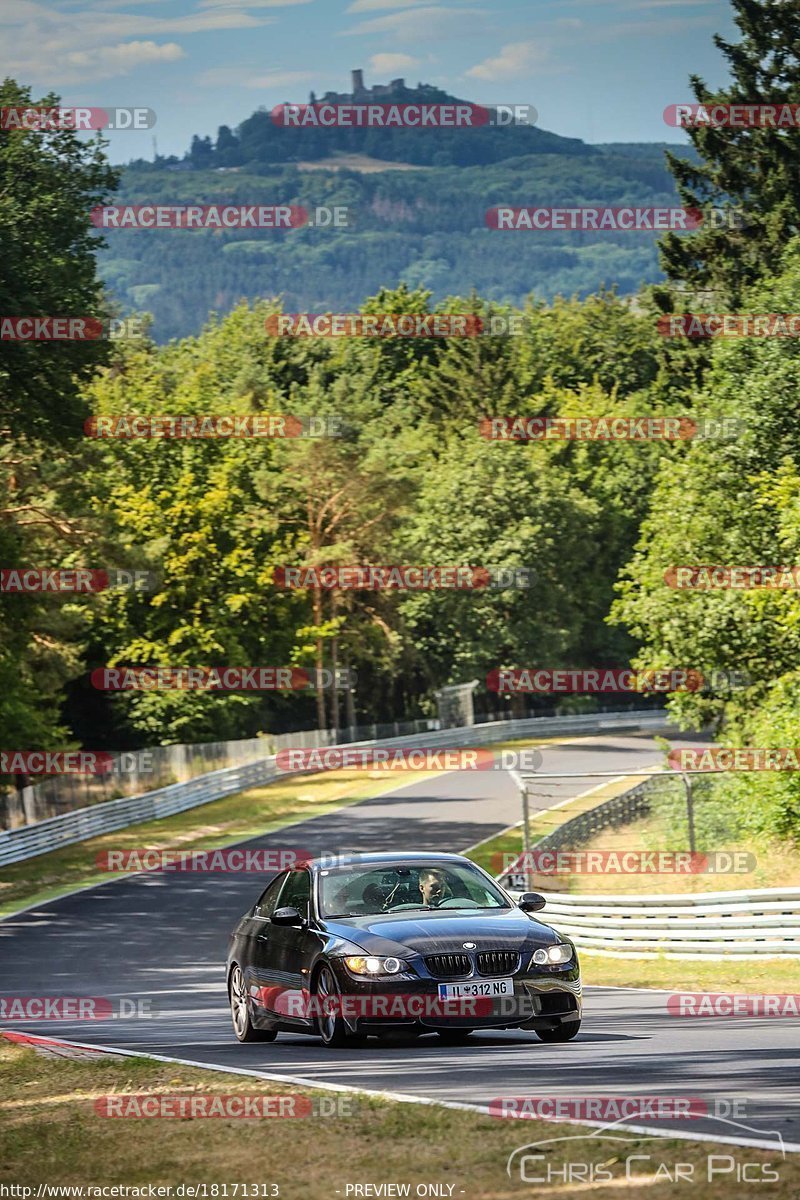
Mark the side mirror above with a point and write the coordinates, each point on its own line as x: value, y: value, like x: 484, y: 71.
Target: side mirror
x: 531, y: 902
x: 287, y: 916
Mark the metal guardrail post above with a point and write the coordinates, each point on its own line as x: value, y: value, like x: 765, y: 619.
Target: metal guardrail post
x: 526, y: 838
x: 687, y: 783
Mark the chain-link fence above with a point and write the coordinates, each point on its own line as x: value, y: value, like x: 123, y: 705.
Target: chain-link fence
x: 140, y: 771
x: 669, y: 824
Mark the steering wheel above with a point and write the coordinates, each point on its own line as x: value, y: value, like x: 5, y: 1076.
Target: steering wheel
x: 374, y: 896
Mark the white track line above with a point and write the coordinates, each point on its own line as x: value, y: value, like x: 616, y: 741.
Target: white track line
x: 407, y: 1098
x: 90, y: 887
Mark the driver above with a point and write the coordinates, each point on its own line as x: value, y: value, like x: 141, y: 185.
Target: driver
x: 433, y: 886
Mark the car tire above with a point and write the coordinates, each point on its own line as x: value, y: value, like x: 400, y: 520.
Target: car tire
x: 454, y: 1037
x: 562, y: 1033
x: 331, y: 1027
x: 243, y: 1026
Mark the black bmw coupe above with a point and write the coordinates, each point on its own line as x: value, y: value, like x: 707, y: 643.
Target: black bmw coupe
x: 376, y: 944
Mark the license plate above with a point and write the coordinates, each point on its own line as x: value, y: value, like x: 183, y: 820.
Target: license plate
x: 485, y: 987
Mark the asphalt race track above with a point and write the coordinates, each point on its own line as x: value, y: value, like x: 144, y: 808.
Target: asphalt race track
x: 163, y: 938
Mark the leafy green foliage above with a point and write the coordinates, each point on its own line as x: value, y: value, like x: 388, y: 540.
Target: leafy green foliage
x: 756, y: 169
x: 48, y: 184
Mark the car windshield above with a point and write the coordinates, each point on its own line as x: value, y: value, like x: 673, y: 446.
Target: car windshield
x: 395, y: 887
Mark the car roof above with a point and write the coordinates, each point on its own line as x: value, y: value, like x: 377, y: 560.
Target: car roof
x: 326, y: 861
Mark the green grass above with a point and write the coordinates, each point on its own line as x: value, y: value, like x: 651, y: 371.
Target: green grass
x: 774, y: 974
x: 491, y: 854
x: 211, y: 826
x: 754, y: 976
x: 50, y: 1133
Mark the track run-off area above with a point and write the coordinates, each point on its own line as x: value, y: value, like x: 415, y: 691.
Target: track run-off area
x: 162, y: 938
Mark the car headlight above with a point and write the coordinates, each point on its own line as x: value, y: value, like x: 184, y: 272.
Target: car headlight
x: 360, y: 965
x: 553, y: 955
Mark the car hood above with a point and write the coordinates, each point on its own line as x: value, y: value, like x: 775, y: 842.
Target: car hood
x: 443, y: 931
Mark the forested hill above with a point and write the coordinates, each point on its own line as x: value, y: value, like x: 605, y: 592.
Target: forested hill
x: 262, y: 141
x: 416, y: 200
x: 424, y: 226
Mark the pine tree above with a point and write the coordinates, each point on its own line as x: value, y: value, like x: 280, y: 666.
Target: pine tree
x: 755, y: 171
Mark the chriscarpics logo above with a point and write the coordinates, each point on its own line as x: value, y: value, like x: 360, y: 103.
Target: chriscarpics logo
x: 616, y: 1155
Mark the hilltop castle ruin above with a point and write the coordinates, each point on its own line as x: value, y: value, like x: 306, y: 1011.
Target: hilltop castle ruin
x: 396, y: 89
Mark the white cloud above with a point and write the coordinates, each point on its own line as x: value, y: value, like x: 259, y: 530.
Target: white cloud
x: 199, y: 22
x: 665, y: 27
x: 375, y: 5
x: 250, y: 3
x: 671, y: 3
x: 13, y: 12
x: 252, y: 77
x: 517, y: 58
x: 56, y: 47
x: 384, y: 64
x: 431, y: 22
x: 106, y: 61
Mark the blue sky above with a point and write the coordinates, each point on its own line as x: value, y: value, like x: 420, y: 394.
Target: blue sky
x: 602, y: 70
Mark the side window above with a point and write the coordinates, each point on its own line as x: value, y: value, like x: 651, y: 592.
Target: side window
x: 297, y: 892
x: 266, y: 903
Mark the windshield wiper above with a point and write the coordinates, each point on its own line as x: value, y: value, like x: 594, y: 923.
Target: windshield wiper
x: 410, y: 908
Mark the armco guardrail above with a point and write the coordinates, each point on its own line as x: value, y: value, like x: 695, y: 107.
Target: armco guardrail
x: 735, y: 924
x: 159, y: 766
x: 722, y: 924
x: 68, y: 828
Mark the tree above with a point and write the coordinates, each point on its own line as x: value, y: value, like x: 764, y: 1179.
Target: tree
x: 49, y: 182
x: 732, y: 503
x: 227, y: 152
x: 504, y: 506
x: 754, y: 169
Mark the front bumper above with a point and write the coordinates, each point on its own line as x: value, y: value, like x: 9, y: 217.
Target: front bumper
x: 541, y: 1000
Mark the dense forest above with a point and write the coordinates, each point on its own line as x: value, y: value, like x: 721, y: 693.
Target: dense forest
x: 411, y: 478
